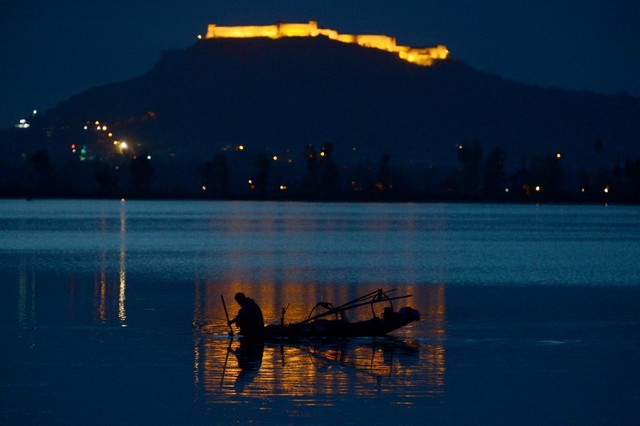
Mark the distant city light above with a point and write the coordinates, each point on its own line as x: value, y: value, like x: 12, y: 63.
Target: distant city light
x: 148, y: 157
x: 22, y: 124
x: 35, y: 111
x: 240, y: 147
x: 606, y: 189
x: 275, y: 158
x: 558, y: 155
x: 204, y: 187
x: 538, y: 188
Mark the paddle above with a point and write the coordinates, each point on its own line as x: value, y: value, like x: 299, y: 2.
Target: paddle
x: 227, y: 315
x: 224, y: 368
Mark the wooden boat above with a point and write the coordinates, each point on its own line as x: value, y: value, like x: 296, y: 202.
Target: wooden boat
x: 321, y: 325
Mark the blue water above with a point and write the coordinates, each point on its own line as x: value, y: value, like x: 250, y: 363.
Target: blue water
x: 334, y: 243
x: 111, y: 312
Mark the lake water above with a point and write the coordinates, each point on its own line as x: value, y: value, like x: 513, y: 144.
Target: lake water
x: 111, y: 313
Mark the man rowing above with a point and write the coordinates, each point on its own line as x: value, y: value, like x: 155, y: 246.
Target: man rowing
x: 249, y: 317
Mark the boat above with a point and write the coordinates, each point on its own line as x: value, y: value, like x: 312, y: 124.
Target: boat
x: 333, y: 322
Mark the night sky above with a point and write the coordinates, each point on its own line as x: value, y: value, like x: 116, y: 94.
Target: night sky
x: 50, y: 50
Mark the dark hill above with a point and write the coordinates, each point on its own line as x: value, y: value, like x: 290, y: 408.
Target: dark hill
x: 286, y: 93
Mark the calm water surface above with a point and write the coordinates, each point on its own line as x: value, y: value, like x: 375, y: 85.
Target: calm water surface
x: 111, y: 312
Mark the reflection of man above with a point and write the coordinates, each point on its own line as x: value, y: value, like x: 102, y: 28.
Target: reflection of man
x: 249, y: 356
x: 249, y: 317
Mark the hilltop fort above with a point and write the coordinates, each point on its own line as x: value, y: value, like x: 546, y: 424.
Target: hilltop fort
x: 424, y: 56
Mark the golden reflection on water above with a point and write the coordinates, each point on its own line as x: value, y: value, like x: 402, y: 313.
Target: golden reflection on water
x: 106, y: 292
x: 409, y: 366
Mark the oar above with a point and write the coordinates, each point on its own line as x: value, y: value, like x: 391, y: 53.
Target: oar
x: 224, y: 368
x: 227, y: 315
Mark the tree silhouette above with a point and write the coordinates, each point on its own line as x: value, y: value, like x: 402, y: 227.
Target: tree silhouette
x: 547, y: 174
x: 329, y: 173
x: 470, y: 157
x: 631, y: 173
x: 493, y: 173
x: 383, y: 181
x: 141, y: 171
x: 216, y: 175
x: 321, y: 178
x: 41, y: 164
x: 102, y: 175
x: 261, y: 166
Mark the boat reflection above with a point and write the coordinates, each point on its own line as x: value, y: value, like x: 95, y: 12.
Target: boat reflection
x: 317, y: 371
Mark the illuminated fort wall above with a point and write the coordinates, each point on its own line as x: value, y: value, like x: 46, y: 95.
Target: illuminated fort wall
x: 419, y: 56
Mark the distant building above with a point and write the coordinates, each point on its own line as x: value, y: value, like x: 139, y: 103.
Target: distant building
x: 420, y: 56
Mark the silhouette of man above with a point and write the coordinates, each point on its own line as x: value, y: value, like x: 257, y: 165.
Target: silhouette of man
x: 249, y: 317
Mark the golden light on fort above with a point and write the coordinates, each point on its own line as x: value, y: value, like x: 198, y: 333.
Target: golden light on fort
x: 424, y: 56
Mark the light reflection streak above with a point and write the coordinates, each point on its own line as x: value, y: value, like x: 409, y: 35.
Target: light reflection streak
x: 122, y: 313
x: 26, y: 296
x: 110, y: 295
x: 101, y: 291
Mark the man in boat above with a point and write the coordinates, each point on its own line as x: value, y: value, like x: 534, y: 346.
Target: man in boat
x: 249, y: 317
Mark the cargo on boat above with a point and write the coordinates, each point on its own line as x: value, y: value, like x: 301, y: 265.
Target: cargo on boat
x: 332, y: 322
